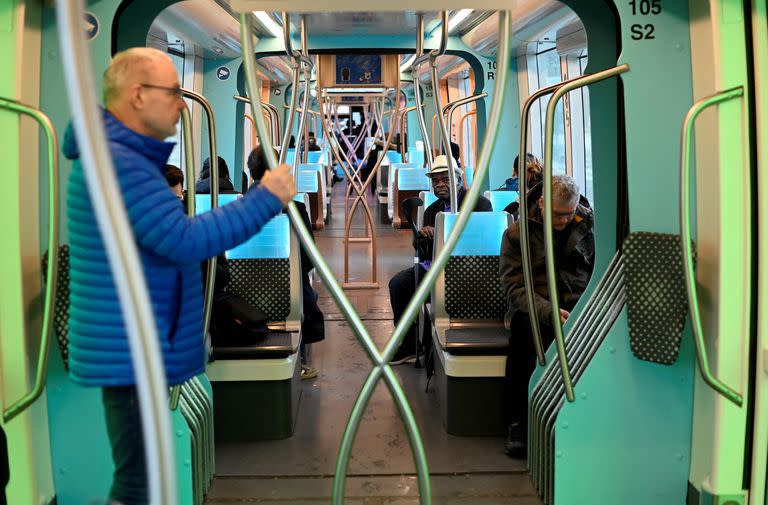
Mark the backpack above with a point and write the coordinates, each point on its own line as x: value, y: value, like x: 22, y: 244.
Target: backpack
x: 235, y: 322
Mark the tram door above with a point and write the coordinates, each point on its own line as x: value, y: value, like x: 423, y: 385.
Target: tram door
x: 24, y: 224
x: 723, y: 199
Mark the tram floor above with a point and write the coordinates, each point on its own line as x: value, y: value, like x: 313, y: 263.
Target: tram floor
x: 300, y: 469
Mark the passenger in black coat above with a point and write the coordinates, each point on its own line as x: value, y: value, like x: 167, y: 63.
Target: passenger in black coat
x: 574, y: 241
x: 403, y: 285
x: 203, y: 184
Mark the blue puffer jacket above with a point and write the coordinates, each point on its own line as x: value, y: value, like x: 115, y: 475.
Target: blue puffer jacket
x: 171, y: 246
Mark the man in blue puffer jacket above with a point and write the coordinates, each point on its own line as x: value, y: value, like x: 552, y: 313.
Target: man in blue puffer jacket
x: 143, y: 101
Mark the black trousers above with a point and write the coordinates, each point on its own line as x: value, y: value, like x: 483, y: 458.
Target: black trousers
x: 521, y: 361
x: 121, y: 410
x: 401, y: 289
x: 5, y: 470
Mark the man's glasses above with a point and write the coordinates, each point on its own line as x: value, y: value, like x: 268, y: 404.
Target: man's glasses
x: 563, y: 215
x: 177, y: 92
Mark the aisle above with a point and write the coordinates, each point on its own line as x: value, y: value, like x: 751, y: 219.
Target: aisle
x: 300, y: 469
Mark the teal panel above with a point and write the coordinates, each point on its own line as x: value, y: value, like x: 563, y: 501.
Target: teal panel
x: 482, y: 235
x: 500, y: 199
x: 273, y: 241
x: 412, y: 179
x: 229, y: 117
x: 470, y: 175
x: 203, y: 201
x: 626, y: 438
x: 315, y: 167
x: 183, y: 443
x: 509, y: 129
x: 394, y: 157
x: 429, y: 199
x: 314, y: 156
x: 80, y: 451
x: 307, y: 182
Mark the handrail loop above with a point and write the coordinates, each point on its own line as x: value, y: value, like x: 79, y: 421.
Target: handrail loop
x: 549, y: 246
x: 525, y: 248
x: 122, y: 253
x: 449, y: 109
x: 686, y: 243
x: 464, y: 118
x: 274, y: 117
x: 445, y: 141
x: 189, y: 162
x: 213, y: 157
x: 381, y: 360
x: 305, y: 105
x: 417, y: 93
x: 52, y: 271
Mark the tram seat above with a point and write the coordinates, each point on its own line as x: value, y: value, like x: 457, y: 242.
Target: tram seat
x: 394, y: 157
x: 500, y: 199
x: 470, y: 175
x: 382, y: 184
x: 314, y: 157
x: 428, y: 197
x: 318, y: 167
x: 289, y: 156
x: 415, y: 157
x: 264, y: 271
x: 408, y: 183
x: 467, y: 312
x: 393, y: 168
x: 310, y: 182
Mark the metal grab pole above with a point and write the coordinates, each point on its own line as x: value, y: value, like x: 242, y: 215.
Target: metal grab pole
x: 417, y: 93
x: 525, y: 248
x: 345, y: 306
x: 189, y: 162
x: 123, y: 255
x: 440, y: 119
x: 305, y: 105
x: 52, y: 271
x: 254, y: 137
x: 274, y: 118
x: 464, y: 118
x: 549, y: 243
x: 213, y: 154
x: 686, y: 243
x: 448, y: 112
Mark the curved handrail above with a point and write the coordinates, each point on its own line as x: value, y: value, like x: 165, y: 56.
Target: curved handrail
x: 122, y: 253
x: 436, y: 95
x: 52, y: 271
x: 305, y: 106
x: 213, y: 154
x: 465, y: 117
x: 381, y: 360
x: 428, y: 156
x: 253, y: 128
x: 525, y: 248
x: 686, y: 243
x: 295, y: 66
x: 274, y: 117
x: 435, y: 147
x: 549, y: 246
x: 403, y: 114
x: 189, y: 162
x: 452, y: 106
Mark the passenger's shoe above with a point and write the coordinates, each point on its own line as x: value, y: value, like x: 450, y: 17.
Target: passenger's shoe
x: 307, y: 372
x: 516, y: 444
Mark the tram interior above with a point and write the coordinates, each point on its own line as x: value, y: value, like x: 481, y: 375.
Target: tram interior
x: 267, y: 423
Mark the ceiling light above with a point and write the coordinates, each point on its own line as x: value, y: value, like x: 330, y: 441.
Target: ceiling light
x: 269, y: 23
x: 351, y: 91
x: 458, y: 18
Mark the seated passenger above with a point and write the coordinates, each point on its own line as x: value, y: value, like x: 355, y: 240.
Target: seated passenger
x: 574, y: 241
x: 203, y: 184
x: 313, y: 324
x: 534, y: 170
x: 403, y: 285
x: 175, y: 178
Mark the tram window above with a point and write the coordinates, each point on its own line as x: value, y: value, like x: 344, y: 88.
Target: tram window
x: 549, y: 72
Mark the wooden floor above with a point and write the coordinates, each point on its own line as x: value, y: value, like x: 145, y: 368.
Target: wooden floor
x: 300, y: 469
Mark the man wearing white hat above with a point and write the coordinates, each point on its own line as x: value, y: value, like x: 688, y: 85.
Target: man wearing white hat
x: 403, y: 285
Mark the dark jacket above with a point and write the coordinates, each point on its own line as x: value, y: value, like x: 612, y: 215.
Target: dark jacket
x: 203, y: 186
x: 423, y: 244
x: 574, y: 260
x: 171, y: 247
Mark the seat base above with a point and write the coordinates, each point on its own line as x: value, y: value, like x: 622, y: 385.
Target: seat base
x: 470, y: 406
x: 249, y: 410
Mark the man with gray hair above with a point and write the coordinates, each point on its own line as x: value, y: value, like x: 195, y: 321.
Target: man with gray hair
x: 143, y: 101
x: 574, y: 241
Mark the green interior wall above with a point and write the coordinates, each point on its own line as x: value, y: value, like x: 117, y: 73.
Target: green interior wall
x: 626, y: 438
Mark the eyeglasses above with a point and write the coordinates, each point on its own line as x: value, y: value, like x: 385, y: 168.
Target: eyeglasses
x: 563, y: 215
x: 177, y: 92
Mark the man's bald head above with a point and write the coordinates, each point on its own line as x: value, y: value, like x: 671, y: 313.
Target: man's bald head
x: 129, y: 67
x: 142, y: 90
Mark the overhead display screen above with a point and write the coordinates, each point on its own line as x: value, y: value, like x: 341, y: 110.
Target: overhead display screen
x: 358, y: 69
